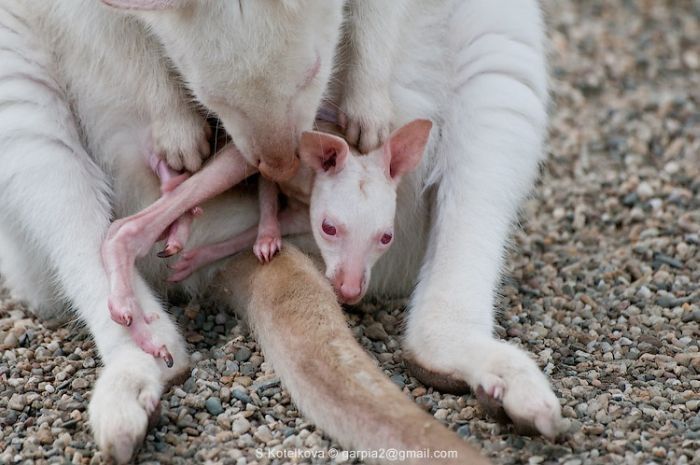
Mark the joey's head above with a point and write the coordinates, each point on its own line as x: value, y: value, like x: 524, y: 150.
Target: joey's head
x: 260, y: 65
x: 353, y: 201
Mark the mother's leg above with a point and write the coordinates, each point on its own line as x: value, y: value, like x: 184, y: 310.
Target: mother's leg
x: 55, y: 203
x: 56, y: 213
x: 304, y: 334
x: 489, y: 153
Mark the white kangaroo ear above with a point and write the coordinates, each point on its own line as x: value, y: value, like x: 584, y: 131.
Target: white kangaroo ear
x: 404, y: 149
x: 145, y: 5
x: 323, y: 152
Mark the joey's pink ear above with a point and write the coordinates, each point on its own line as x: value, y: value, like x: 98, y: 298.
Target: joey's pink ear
x: 404, y: 150
x: 144, y: 5
x: 323, y: 152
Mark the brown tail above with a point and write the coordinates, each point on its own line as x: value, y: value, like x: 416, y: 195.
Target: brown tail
x: 304, y: 334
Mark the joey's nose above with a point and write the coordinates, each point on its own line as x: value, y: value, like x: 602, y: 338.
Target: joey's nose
x: 350, y: 294
x: 279, y: 172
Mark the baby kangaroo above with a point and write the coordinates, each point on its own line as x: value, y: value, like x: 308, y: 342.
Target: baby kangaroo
x: 347, y: 200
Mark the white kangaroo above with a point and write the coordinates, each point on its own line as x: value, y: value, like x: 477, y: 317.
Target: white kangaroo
x: 476, y: 68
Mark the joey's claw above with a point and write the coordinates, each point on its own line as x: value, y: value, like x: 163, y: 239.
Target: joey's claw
x: 258, y: 254
x: 266, y: 248
x: 170, y: 250
x: 118, y: 314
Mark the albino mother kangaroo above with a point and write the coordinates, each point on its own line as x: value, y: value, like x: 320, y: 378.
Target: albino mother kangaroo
x: 72, y: 156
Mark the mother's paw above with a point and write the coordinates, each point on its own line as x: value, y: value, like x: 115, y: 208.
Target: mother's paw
x: 125, y: 399
x: 506, y: 381
x: 512, y: 381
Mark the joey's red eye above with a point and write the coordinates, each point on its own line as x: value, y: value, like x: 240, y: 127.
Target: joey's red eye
x: 328, y: 228
x: 386, y: 238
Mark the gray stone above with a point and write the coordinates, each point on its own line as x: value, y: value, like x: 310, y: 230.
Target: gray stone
x: 213, y: 405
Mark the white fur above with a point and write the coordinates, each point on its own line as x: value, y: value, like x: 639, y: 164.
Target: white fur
x: 247, y: 62
x: 79, y: 85
x: 365, y: 79
x: 361, y: 216
x: 489, y: 90
x: 357, y: 197
x: 474, y: 67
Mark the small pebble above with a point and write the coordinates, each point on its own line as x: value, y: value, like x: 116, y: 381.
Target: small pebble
x: 213, y: 405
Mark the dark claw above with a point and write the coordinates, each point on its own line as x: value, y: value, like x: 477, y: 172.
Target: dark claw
x: 492, y: 407
x: 168, y: 359
x: 169, y: 251
x: 164, y: 253
x: 127, y: 320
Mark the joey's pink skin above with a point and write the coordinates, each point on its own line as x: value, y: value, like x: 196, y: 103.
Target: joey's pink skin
x: 352, y: 203
x: 293, y: 220
x: 178, y: 232
x: 122, y: 303
x: 132, y: 237
x: 269, y: 240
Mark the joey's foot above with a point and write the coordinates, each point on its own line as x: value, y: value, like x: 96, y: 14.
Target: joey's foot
x: 126, y: 311
x: 147, y: 339
x: 182, y: 139
x: 171, y: 249
x: 118, y: 255
x: 266, y: 246
x: 506, y: 381
x: 122, y: 309
x: 366, y: 119
x: 189, y: 262
x: 178, y: 235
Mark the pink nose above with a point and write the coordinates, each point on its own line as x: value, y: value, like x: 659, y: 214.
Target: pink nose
x: 349, y: 293
x: 349, y: 285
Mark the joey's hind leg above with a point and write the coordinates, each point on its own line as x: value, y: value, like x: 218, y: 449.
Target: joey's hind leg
x: 269, y: 238
x: 294, y: 220
x: 492, y: 145
x: 178, y: 233
x: 132, y: 237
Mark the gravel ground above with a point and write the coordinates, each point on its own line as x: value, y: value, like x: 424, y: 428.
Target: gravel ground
x: 602, y: 287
